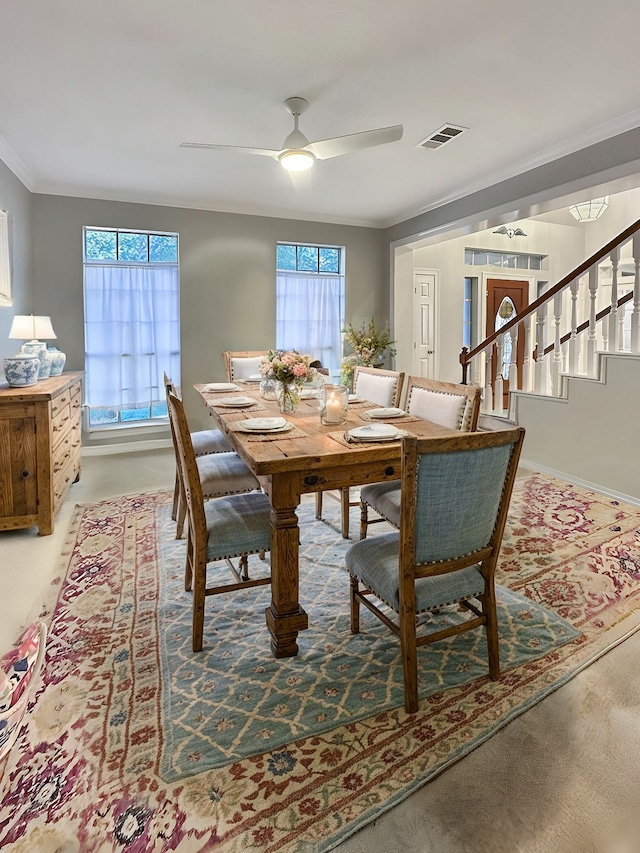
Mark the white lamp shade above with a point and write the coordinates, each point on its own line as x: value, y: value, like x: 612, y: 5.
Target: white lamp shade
x: 589, y: 211
x: 28, y: 327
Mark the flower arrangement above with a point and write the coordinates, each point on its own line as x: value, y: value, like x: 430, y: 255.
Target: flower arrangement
x: 287, y: 366
x: 368, y: 342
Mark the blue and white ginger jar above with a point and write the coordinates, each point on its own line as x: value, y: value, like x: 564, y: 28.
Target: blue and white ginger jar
x: 58, y: 359
x: 21, y: 370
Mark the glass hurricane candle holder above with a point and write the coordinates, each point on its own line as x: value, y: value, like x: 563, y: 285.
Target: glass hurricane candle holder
x: 334, y: 404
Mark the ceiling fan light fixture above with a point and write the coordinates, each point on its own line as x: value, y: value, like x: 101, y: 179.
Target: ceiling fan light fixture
x: 297, y: 160
x: 589, y: 211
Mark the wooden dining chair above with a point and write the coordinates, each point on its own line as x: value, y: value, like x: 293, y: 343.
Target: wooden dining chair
x: 221, y: 471
x: 378, y: 386
x: 205, y: 442
x: 242, y: 365
x: 445, y: 403
x: 455, y: 496
x: 222, y: 529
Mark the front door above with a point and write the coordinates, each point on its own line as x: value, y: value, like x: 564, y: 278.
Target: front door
x: 425, y: 284
x: 505, y: 299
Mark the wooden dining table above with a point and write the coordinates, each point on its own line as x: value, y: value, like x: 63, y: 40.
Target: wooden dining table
x: 309, y: 458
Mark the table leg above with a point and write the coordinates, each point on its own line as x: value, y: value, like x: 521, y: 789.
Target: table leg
x: 285, y: 617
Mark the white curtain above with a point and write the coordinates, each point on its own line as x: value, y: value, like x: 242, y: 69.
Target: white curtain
x: 310, y: 316
x: 132, y: 334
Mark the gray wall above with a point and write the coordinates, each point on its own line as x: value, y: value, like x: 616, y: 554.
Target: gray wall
x: 15, y: 198
x: 227, y: 276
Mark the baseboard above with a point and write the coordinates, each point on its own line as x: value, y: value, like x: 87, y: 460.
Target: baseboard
x: 126, y: 447
x: 576, y: 481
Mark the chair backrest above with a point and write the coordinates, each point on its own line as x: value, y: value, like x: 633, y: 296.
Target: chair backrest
x: 383, y: 387
x: 242, y: 365
x: 454, y: 499
x: 444, y: 403
x: 187, y: 469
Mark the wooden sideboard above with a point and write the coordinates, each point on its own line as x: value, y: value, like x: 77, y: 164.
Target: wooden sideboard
x: 40, y: 438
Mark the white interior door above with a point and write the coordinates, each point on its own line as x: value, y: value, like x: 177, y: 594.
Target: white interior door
x: 425, y: 288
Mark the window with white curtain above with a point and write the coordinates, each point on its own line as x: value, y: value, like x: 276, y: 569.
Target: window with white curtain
x: 310, y: 301
x: 132, y: 325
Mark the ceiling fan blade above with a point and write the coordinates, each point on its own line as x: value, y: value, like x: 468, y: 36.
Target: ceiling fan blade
x: 326, y: 148
x: 267, y: 152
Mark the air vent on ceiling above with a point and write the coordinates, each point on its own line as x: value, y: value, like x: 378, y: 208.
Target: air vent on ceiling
x: 444, y: 134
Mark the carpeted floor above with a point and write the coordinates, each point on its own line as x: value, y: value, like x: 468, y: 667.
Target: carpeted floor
x: 135, y: 743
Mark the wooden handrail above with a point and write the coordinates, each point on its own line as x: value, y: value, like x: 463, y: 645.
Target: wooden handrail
x: 466, y: 355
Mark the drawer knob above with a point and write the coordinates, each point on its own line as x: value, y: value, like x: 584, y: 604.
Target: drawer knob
x: 389, y: 470
x: 311, y: 481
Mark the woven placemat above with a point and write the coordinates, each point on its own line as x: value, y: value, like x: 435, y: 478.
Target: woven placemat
x: 404, y: 419
x: 342, y: 438
x: 296, y: 432
x: 362, y: 404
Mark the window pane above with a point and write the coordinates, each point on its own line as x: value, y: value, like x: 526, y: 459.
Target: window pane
x: 162, y: 248
x: 100, y: 245
x: 535, y: 262
x: 308, y: 258
x: 101, y: 415
x: 159, y: 410
x: 468, y: 257
x: 494, y: 259
x: 286, y: 258
x: 329, y: 260
x: 132, y: 247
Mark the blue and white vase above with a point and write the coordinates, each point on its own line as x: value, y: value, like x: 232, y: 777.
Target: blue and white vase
x: 21, y: 370
x: 39, y: 348
x: 58, y: 359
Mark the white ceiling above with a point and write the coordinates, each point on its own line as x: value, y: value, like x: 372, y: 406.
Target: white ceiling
x: 96, y: 97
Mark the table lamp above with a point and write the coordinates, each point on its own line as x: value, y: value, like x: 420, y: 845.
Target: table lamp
x: 29, y: 328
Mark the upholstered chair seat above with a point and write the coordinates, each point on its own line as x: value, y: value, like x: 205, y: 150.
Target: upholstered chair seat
x: 224, y: 474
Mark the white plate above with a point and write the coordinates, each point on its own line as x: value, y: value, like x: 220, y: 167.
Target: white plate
x: 242, y: 427
x: 235, y: 401
x: 217, y: 387
x: 354, y: 399
x: 309, y: 393
x: 264, y: 424
x: 374, y: 432
x: 385, y: 413
x: 256, y: 377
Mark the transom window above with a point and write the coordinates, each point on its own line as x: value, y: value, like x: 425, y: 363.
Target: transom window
x: 317, y: 259
x: 506, y: 260
x: 132, y: 324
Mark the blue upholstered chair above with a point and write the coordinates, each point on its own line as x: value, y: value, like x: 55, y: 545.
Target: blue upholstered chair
x: 444, y: 403
x: 382, y: 388
x: 455, y: 496
x: 224, y: 528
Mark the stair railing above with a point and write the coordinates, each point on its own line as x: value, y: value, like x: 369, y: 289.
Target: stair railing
x: 558, y: 315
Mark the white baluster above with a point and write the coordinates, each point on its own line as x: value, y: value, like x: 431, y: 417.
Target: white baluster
x: 613, y: 316
x: 635, y: 314
x: 591, y: 339
x: 540, y: 374
x: 574, y: 341
x: 513, y: 364
x: 526, y: 366
x: 498, y: 398
x: 488, y: 389
x: 621, y: 318
x: 557, y: 352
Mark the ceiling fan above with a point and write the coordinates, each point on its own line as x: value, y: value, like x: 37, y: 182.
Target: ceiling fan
x: 298, y: 154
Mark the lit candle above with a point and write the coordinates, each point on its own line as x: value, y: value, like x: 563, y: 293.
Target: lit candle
x: 333, y: 410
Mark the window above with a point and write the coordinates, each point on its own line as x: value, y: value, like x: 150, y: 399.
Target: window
x: 132, y: 324
x: 508, y: 260
x: 310, y: 301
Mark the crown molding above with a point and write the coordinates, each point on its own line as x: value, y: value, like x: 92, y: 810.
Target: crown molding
x: 13, y: 162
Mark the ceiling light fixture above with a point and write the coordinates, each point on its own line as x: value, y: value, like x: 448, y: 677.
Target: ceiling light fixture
x: 589, y: 211
x: 297, y: 160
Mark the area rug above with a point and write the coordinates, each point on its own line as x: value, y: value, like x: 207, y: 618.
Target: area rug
x: 136, y: 744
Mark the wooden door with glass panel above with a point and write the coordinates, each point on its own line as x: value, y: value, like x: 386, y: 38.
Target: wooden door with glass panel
x: 505, y: 299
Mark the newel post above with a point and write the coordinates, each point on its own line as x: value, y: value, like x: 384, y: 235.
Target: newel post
x: 465, y: 365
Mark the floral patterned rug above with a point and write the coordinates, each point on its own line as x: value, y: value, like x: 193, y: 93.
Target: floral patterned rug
x: 135, y: 744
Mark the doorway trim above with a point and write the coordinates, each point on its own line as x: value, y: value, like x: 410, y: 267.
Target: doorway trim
x: 435, y: 308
